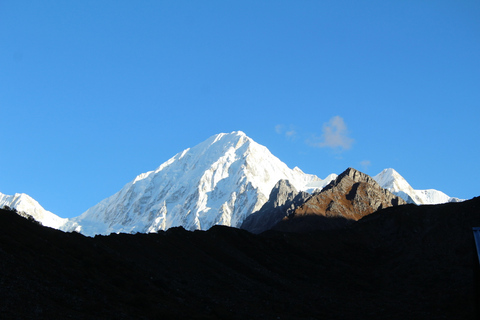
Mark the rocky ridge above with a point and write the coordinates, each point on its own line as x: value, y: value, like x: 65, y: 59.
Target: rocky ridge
x: 283, y: 200
x: 350, y: 197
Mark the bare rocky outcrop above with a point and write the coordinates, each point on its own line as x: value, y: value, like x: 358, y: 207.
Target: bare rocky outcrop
x: 283, y: 200
x: 348, y: 198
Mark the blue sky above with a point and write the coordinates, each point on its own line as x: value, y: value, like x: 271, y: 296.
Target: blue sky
x: 93, y: 93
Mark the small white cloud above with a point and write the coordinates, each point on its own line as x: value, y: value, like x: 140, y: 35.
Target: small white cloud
x: 335, y: 135
x: 290, y: 133
x: 365, y: 164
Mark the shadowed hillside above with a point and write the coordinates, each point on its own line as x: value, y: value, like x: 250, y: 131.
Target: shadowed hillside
x: 398, y: 263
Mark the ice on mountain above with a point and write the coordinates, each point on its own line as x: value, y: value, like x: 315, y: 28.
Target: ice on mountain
x: 395, y: 183
x: 24, y: 203
x: 219, y: 181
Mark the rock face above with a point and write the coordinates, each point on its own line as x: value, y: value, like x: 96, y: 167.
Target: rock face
x: 283, y: 200
x: 348, y: 198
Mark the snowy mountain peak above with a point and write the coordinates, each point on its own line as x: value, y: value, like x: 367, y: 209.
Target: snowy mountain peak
x: 219, y: 181
x: 234, y: 135
x: 392, y: 180
x: 222, y: 180
x: 23, y: 203
x: 395, y: 183
x: 389, y: 174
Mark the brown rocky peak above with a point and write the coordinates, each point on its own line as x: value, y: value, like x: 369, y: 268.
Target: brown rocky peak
x: 350, y: 197
x: 354, y: 175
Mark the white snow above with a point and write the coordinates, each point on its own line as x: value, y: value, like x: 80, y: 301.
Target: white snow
x: 219, y: 181
x: 26, y: 204
x: 318, y: 185
x: 395, y: 183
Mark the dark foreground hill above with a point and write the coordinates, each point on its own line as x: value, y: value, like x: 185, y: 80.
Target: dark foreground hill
x: 404, y: 262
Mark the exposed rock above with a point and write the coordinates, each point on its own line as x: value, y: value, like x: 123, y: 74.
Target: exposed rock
x: 348, y: 198
x: 283, y: 200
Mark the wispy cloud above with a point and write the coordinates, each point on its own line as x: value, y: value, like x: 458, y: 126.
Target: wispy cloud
x: 335, y: 135
x: 365, y: 164
x: 279, y: 128
x: 289, y: 132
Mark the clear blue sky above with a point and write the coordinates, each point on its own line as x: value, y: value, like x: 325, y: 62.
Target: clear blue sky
x: 93, y: 93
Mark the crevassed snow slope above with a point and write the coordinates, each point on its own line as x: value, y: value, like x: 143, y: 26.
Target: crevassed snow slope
x: 219, y: 181
x: 24, y: 203
x: 395, y: 183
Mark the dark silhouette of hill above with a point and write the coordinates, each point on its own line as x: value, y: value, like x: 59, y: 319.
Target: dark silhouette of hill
x: 403, y: 262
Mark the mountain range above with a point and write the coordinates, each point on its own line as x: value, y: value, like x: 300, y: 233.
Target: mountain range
x: 222, y: 181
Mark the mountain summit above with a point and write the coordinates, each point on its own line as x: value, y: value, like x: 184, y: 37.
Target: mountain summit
x: 350, y: 197
x: 25, y: 204
x: 220, y: 181
x: 396, y: 184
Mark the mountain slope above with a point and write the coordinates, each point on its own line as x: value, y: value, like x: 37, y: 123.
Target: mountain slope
x: 25, y: 204
x: 350, y: 197
x: 220, y: 181
x: 395, y: 183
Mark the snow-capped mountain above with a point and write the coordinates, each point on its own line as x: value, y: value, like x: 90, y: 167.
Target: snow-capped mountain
x: 25, y: 204
x: 220, y: 181
x: 396, y: 184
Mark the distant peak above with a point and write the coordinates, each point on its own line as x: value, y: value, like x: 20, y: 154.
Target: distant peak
x: 390, y: 172
x: 388, y: 177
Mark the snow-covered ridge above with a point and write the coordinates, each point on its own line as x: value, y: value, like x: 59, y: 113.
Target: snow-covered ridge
x: 220, y: 181
x: 24, y: 203
x: 395, y: 183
